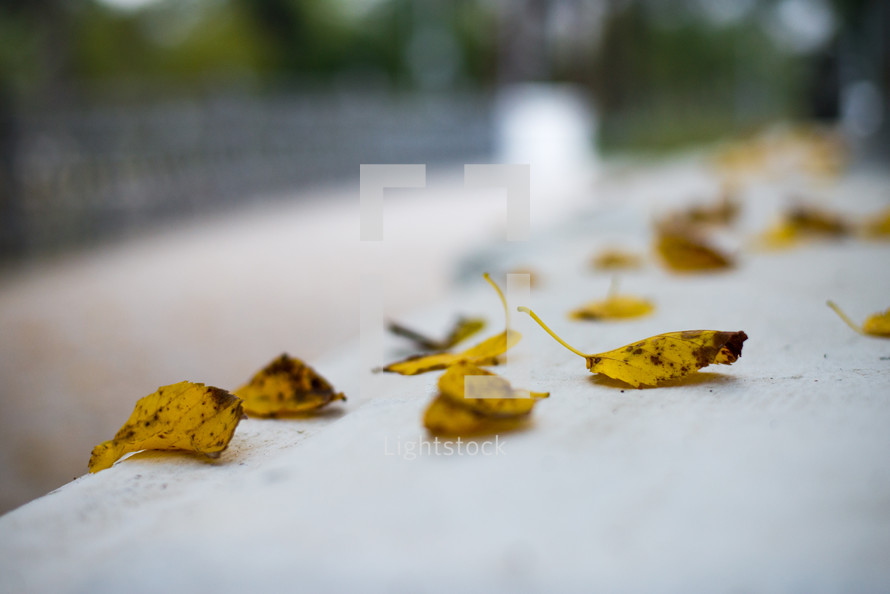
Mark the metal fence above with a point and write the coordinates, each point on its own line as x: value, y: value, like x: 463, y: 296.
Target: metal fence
x: 92, y: 173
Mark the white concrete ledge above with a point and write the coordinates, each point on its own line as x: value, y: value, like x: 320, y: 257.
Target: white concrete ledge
x: 771, y: 475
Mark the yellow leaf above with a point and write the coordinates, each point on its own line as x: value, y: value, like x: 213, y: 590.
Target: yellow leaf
x: 662, y: 357
x: 491, y: 394
x: 286, y: 386
x: 444, y: 417
x: 875, y: 325
x: 878, y: 226
x: 614, y: 306
x: 617, y: 259
x: 722, y: 212
x: 809, y: 220
x: 682, y: 250
x: 462, y: 330
x: 502, y: 407
x: 803, y: 223
x: 486, y: 352
x: 184, y: 416
x: 780, y: 235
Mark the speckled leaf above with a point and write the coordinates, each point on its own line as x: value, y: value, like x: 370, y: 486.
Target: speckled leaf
x: 184, y: 416
x: 668, y: 356
x: 286, y: 386
x: 662, y: 357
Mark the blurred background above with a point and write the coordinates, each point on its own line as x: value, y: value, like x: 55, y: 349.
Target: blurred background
x: 116, y: 114
x: 123, y: 117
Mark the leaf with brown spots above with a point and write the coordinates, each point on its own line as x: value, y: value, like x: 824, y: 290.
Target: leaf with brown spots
x: 486, y: 352
x: 487, y: 404
x: 463, y: 329
x: 286, y: 386
x: 659, y: 358
x: 875, y: 325
x: 614, y: 306
x: 185, y: 416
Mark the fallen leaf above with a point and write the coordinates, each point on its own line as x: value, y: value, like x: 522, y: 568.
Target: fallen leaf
x: 185, y: 416
x: 810, y: 220
x: 663, y: 357
x: 462, y: 330
x: 721, y: 212
x: 486, y: 352
x: 683, y: 250
x: 614, y: 306
x: 817, y: 151
x: 878, y: 225
x: 617, y: 259
x: 803, y: 223
x: 286, y: 386
x: 875, y: 325
x: 454, y: 412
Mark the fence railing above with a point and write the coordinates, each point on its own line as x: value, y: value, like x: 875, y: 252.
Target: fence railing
x: 102, y: 171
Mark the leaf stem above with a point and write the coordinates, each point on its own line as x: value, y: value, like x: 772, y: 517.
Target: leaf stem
x: 844, y: 317
x: 503, y: 300
x: 613, y: 288
x: 549, y: 331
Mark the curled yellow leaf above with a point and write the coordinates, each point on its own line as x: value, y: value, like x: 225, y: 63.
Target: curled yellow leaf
x: 489, y: 393
x: 486, y: 352
x: 662, y: 357
x: 184, y: 416
x: 286, y: 386
x: 492, y: 406
x: 682, y: 250
x: 875, y: 325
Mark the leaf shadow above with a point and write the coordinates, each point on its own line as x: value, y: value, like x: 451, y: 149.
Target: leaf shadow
x: 693, y: 379
x: 327, y: 413
x: 491, y: 429
x: 161, y: 456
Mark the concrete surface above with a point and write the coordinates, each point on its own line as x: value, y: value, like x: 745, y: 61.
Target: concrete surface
x: 770, y: 475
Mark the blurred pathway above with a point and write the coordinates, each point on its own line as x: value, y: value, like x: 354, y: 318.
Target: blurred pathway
x: 85, y: 335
